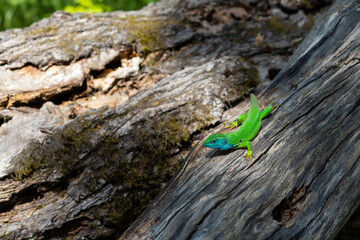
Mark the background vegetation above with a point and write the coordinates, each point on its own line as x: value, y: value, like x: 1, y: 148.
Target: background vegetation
x: 21, y: 13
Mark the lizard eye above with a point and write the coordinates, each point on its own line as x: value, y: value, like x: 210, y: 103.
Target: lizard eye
x: 214, y: 141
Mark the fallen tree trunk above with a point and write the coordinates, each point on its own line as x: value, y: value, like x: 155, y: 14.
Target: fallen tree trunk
x: 170, y: 71
x: 303, y: 183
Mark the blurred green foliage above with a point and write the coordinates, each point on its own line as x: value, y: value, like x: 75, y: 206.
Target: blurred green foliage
x: 21, y: 13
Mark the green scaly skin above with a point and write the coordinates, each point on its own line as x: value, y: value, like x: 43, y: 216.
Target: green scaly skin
x: 251, y: 124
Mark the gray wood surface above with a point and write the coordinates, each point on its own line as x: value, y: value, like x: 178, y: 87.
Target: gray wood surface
x: 303, y: 183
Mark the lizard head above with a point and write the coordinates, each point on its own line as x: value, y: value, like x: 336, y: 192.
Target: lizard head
x: 218, y: 141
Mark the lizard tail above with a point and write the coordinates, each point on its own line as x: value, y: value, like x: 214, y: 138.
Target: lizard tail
x: 254, y: 101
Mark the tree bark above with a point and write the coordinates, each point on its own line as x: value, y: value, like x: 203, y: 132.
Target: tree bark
x: 161, y: 76
x: 303, y: 183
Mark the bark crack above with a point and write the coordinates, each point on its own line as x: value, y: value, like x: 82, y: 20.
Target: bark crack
x: 334, y: 189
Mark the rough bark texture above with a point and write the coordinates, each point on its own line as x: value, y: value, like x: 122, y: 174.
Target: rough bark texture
x: 303, y: 182
x: 160, y: 76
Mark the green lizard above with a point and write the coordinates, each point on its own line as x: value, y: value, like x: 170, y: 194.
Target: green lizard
x: 251, y: 124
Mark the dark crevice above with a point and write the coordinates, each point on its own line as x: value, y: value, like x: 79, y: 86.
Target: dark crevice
x: 33, y: 103
x: 55, y: 98
x: 65, y: 229
x: 290, y: 205
x: 334, y: 189
x: 351, y: 230
x: 27, y: 64
x: 298, y: 235
x: 273, y: 72
x: 68, y: 95
x: 113, y: 64
x: 4, y: 119
x: 30, y: 193
x: 24, y: 196
x: 36, y: 191
x: 45, y: 66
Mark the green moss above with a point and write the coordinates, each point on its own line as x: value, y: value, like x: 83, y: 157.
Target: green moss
x: 25, y: 165
x: 40, y: 206
x: 166, y: 134
x: 146, y: 32
x: 279, y: 26
x: 62, y: 154
x: 160, y: 135
x: 72, y: 44
x: 253, y: 76
x: 51, y: 29
x: 150, y: 164
x: 141, y: 162
x: 308, y: 5
x: 30, y: 166
x: 250, y: 71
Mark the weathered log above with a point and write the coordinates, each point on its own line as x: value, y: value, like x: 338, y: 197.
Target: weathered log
x: 89, y: 175
x: 303, y: 183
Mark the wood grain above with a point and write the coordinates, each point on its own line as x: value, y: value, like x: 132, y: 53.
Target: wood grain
x: 302, y: 183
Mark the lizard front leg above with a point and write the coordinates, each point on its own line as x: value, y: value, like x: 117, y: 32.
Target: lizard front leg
x: 247, y: 144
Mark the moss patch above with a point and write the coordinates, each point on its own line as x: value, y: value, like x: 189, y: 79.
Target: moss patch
x: 49, y: 30
x: 147, y: 32
x: 253, y: 76
x: 279, y: 26
x: 150, y: 163
x: 251, y: 73
x: 62, y: 154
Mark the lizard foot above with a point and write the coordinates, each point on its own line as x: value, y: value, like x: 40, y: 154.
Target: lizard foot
x: 249, y: 154
x: 231, y: 125
x: 276, y: 106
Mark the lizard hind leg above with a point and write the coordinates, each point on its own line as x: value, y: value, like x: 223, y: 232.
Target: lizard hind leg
x: 248, y: 145
x: 266, y: 112
x: 238, y: 121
